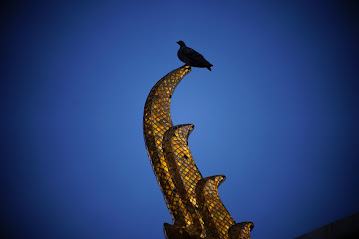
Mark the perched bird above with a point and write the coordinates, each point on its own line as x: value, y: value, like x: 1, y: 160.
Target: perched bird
x: 191, y: 57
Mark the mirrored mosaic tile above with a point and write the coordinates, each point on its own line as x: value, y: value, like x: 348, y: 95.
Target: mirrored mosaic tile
x: 193, y: 201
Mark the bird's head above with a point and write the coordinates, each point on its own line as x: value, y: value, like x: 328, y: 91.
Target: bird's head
x: 181, y: 43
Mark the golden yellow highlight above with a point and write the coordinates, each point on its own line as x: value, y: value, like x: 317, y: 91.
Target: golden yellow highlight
x: 193, y: 201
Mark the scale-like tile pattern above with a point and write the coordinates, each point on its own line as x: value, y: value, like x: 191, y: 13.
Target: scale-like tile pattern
x: 185, y: 173
x: 156, y: 121
x: 216, y: 218
x: 193, y: 201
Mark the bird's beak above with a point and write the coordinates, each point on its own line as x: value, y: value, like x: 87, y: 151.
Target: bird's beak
x: 177, y: 42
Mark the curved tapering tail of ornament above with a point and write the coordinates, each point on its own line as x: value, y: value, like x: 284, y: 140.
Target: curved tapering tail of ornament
x: 217, y: 220
x: 193, y: 201
x: 185, y: 173
x: 156, y: 121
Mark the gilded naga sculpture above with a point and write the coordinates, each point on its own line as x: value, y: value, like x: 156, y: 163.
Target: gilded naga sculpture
x: 193, y: 201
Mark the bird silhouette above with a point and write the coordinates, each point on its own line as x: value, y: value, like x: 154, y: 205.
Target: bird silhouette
x: 191, y: 57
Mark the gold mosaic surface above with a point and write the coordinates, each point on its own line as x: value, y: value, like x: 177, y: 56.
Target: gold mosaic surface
x: 193, y: 201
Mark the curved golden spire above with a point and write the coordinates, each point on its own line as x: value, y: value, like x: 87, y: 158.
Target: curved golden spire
x: 193, y: 201
x: 185, y: 173
x: 156, y: 121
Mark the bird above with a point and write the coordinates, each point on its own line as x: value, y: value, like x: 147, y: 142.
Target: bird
x: 191, y: 57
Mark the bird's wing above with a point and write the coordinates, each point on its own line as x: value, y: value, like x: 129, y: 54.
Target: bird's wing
x: 194, y: 58
x: 191, y: 53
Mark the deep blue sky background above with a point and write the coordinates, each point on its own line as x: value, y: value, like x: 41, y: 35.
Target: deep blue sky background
x: 278, y: 114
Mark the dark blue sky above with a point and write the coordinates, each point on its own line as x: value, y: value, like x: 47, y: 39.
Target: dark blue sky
x: 278, y: 114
